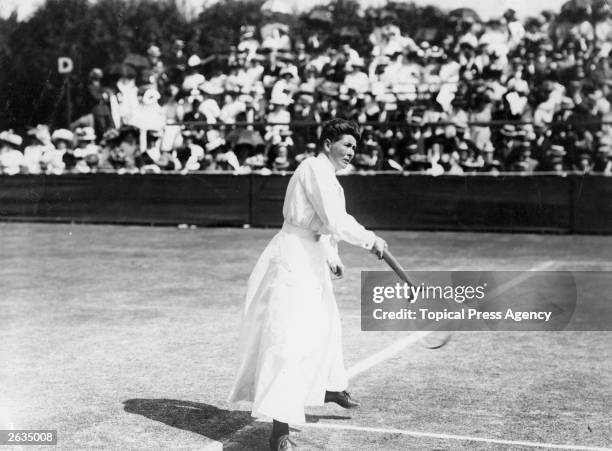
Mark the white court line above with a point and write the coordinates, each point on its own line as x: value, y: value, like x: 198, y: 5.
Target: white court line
x: 454, y: 437
x: 385, y: 353
x: 399, y: 345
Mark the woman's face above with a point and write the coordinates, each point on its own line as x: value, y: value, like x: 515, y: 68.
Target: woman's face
x: 340, y: 152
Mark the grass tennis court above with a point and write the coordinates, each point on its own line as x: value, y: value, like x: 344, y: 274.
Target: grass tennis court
x: 125, y: 338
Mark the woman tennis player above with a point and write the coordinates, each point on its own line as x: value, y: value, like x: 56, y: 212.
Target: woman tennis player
x: 291, y: 340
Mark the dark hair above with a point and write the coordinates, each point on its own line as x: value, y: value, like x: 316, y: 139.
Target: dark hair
x: 336, y: 128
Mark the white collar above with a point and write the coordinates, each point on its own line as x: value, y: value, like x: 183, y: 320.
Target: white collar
x: 323, y: 157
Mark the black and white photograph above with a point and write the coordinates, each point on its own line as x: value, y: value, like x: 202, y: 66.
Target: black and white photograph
x: 306, y: 225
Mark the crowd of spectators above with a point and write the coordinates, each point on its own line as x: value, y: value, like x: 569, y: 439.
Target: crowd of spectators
x: 500, y: 95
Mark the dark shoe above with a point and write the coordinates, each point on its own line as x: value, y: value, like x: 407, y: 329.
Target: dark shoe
x: 342, y: 398
x: 282, y: 443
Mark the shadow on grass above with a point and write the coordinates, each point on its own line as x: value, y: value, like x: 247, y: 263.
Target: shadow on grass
x: 210, y: 421
x: 203, y: 419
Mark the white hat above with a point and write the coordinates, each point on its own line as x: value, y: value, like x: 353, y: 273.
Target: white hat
x: 9, y: 137
x: 85, y: 134
x: 193, y: 61
x: 41, y: 133
x: 214, y: 143
x: 62, y: 134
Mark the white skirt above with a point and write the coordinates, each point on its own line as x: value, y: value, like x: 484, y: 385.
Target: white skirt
x: 291, y: 340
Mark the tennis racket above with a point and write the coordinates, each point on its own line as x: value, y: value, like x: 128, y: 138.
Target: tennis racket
x: 433, y: 340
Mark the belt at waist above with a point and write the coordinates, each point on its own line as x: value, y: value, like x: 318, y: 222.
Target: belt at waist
x: 300, y: 231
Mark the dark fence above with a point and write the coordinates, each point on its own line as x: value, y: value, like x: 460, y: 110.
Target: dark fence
x: 208, y: 200
x: 592, y: 204
x: 521, y: 203
x: 392, y: 201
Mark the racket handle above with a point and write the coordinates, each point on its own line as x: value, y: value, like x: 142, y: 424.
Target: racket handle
x: 395, y: 266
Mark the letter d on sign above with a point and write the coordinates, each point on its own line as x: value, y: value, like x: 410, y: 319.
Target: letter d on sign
x: 64, y: 65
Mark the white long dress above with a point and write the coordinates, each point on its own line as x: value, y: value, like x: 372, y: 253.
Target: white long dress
x: 291, y: 340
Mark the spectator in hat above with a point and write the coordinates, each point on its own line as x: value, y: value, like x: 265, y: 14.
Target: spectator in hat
x: 281, y: 161
x: 193, y: 78
x: 11, y: 158
x: 583, y: 163
x: 224, y: 158
x: 232, y: 107
x: 40, y: 142
x: 203, y: 109
x: 109, y: 141
x: 52, y: 159
x: 155, y: 74
x: 279, y: 115
x: 367, y: 158
x: 126, y: 96
x: 355, y: 78
x: 524, y: 162
x: 194, y: 113
x: 191, y: 155
x: 98, y: 102
x: 147, y: 159
x: 516, y: 30
x: 124, y: 155
x: 176, y: 62
x: 86, y: 151
x: 287, y: 84
x: 489, y: 163
x: 248, y: 44
x: 70, y: 160
x: 304, y: 110
x: 554, y: 159
x: 415, y: 159
x: 451, y: 163
x: 173, y: 108
x: 507, y: 143
x: 148, y: 114
x: 602, y: 163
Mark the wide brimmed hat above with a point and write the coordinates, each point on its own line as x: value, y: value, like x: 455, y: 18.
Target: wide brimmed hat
x: 41, y: 133
x: 85, y: 134
x: 556, y: 150
x: 110, y: 135
x: 214, y: 144
x: 62, y: 134
x: 11, y: 138
x: 508, y: 130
